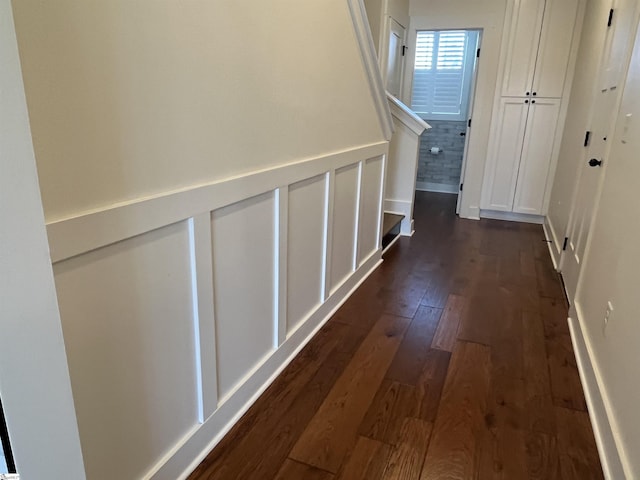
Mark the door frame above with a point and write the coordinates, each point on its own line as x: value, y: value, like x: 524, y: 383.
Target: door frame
x: 34, y: 377
x: 471, y: 103
x: 565, y: 253
x: 490, y: 23
x: 384, y: 52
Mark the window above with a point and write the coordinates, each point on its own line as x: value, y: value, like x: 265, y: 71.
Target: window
x: 443, y: 71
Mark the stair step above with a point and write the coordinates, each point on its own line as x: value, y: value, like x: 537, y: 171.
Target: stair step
x: 390, y: 221
x: 390, y: 228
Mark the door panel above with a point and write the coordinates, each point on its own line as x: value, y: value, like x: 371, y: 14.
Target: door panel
x: 586, y: 195
x: 504, y: 155
x: 395, y: 59
x: 523, y: 48
x: 572, y: 151
x: 605, y: 102
x: 536, y: 156
x: 555, y: 47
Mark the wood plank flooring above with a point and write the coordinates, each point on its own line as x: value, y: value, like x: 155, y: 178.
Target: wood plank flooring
x: 452, y: 361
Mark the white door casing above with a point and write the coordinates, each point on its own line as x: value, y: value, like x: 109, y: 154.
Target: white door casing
x: 34, y: 377
x: 395, y: 57
x: 470, y: 102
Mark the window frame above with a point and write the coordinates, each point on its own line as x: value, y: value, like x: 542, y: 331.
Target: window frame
x: 469, y: 67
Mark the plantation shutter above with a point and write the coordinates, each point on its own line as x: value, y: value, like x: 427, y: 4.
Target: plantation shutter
x: 440, y: 74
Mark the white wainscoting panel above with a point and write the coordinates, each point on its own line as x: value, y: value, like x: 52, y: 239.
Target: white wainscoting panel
x: 129, y: 329
x: 345, y: 223
x: 305, y: 256
x: 370, y: 206
x: 180, y: 309
x: 244, y: 273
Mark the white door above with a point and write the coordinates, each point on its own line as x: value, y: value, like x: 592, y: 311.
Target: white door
x: 537, y: 150
x: 523, y: 48
x: 504, y: 155
x: 395, y: 57
x: 605, y: 106
x: 471, y: 98
x: 556, y: 40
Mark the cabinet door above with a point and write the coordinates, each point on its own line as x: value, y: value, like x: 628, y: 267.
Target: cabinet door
x: 504, y: 155
x: 522, y: 51
x: 537, y: 151
x: 556, y: 40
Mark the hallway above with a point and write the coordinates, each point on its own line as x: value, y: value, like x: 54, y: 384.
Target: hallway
x: 452, y: 361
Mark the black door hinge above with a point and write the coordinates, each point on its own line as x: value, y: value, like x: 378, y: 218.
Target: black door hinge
x: 404, y: 49
x: 610, y: 21
x: 469, y: 123
x: 461, y: 185
x: 587, y: 138
x: 564, y: 245
x: 478, y: 53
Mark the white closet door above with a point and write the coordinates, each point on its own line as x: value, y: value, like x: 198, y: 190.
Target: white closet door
x: 523, y: 48
x: 558, y: 29
x: 536, y: 156
x: 504, y: 155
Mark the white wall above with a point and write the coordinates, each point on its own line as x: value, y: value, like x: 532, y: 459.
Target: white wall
x: 212, y: 178
x: 378, y: 12
x: 375, y: 14
x: 488, y: 15
x: 399, y: 10
x: 34, y: 379
x: 610, y: 273
x: 572, y: 152
x: 123, y: 100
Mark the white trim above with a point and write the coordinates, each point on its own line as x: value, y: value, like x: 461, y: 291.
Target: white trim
x: 281, y: 260
x: 391, y: 243
x: 597, y: 402
x: 370, y: 61
x: 437, y: 187
x: 552, y: 242
x: 265, y: 374
x: 218, y: 410
x: 86, y: 231
x: 203, y: 302
x: 34, y: 374
x: 512, y: 217
x: 407, y: 116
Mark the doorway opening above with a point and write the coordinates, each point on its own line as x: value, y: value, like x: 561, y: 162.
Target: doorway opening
x: 442, y: 92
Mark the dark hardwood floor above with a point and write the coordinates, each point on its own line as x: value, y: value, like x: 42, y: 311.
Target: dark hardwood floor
x: 452, y: 361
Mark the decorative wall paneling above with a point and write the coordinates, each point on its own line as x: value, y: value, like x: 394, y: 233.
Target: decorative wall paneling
x: 180, y: 309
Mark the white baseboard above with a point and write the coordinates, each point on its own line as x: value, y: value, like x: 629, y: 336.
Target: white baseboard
x: 610, y: 457
x: 555, y: 248
x: 437, y: 187
x: 391, y: 243
x: 221, y: 422
x: 552, y: 251
x: 512, y: 217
